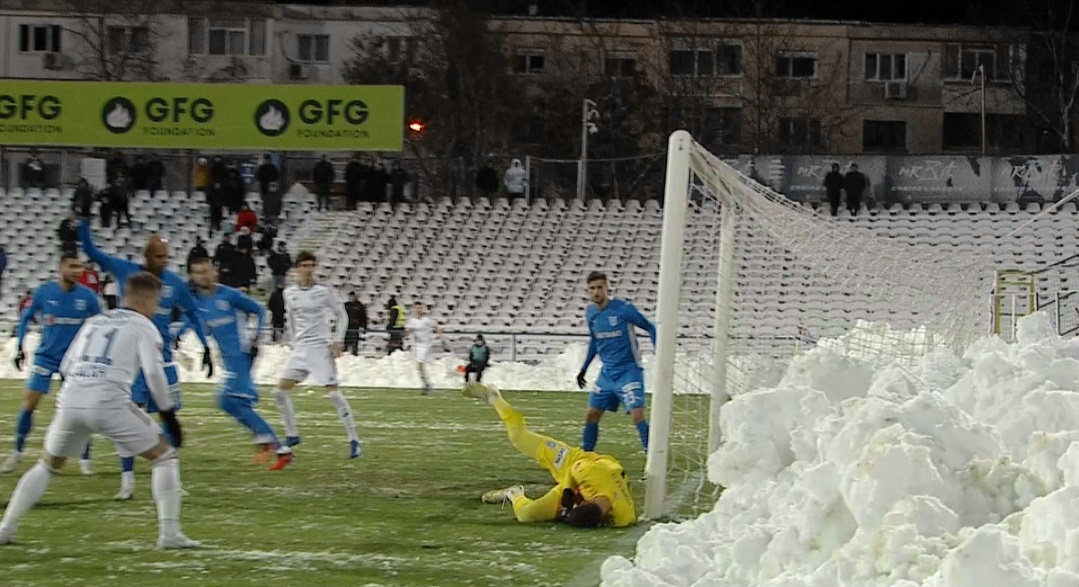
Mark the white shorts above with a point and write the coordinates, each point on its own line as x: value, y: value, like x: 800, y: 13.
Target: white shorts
x: 422, y: 352
x: 314, y: 362
x: 127, y: 426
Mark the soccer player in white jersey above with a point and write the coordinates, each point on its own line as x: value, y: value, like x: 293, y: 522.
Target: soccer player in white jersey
x: 95, y: 398
x: 316, y: 344
x: 422, y: 328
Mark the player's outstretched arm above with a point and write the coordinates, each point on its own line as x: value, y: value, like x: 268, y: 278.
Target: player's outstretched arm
x: 24, y: 318
x: 187, y: 303
x: 588, y: 358
x: 107, y: 262
x: 636, y: 318
x: 249, y: 306
x: 92, y: 304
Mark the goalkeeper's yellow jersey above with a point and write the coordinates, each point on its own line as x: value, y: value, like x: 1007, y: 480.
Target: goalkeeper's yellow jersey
x: 594, y: 475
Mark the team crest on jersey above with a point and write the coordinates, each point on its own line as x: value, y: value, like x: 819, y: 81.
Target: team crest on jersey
x: 80, y: 305
x: 166, y: 291
x: 612, y: 320
x: 222, y: 304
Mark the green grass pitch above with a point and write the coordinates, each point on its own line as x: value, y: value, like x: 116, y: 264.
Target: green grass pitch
x: 407, y: 513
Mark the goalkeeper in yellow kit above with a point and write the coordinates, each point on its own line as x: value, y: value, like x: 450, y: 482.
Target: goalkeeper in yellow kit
x: 592, y: 489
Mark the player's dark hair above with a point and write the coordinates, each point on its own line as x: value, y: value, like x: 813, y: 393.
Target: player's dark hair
x: 142, y: 283
x: 596, y: 276
x: 586, y: 515
x: 66, y: 256
x: 198, y: 261
x: 305, y: 256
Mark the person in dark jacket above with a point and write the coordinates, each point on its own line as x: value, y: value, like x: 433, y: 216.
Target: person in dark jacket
x: 355, y: 174
x: 487, y: 180
x: 244, y: 273
x: 245, y: 242
x: 323, y: 176
x: 68, y: 234
x: 140, y: 174
x: 833, y: 186
x: 234, y: 191
x: 120, y: 199
x: 280, y: 263
x: 155, y: 172
x: 276, y: 306
x: 83, y: 200
x: 198, y: 251
x: 223, y: 253
x: 854, y: 183
x: 357, y: 323
x: 479, y: 356
x: 396, y: 325
x: 374, y: 189
x: 267, y: 176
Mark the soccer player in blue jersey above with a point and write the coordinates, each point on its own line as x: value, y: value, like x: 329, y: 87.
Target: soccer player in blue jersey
x: 225, y: 312
x: 63, y: 305
x: 621, y: 381
x: 174, y: 293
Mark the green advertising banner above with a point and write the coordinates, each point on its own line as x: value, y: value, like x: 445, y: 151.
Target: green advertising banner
x: 201, y: 116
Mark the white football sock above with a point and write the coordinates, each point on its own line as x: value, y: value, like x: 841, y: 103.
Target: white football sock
x: 27, y: 493
x: 344, y: 410
x: 288, y: 414
x: 165, y: 487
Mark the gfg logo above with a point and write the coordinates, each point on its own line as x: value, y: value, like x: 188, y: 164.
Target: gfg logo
x: 174, y: 110
x: 118, y: 115
x: 271, y: 117
x: 315, y: 112
x: 22, y: 106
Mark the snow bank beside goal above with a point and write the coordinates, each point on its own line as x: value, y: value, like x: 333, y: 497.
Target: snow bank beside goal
x: 835, y: 481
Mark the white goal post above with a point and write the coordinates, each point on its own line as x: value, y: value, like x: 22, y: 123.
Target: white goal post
x: 744, y: 272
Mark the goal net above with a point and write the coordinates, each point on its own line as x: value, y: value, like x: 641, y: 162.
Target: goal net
x: 748, y: 279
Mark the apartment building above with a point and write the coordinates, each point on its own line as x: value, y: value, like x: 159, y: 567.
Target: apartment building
x: 740, y: 86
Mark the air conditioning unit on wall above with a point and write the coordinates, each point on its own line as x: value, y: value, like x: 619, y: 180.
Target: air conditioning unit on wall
x: 895, y: 90
x: 298, y: 71
x: 53, y: 61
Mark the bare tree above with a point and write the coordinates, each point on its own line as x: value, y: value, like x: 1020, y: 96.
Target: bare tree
x: 1047, y: 80
x: 121, y: 38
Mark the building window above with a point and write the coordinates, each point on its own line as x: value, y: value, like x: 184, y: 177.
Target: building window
x: 620, y: 65
x: 39, y: 38
x: 128, y: 40
x: 884, y: 135
x: 885, y: 67
x: 729, y: 60
x: 226, y: 36
x: 529, y: 61
x: 800, y: 133
x: 961, y: 62
x: 313, y: 48
x: 722, y: 126
x: 796, y: 66
x: 691, y: 63
x: 1004, y: 132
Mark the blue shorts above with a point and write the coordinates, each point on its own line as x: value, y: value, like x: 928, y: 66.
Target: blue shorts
x: 612, y: 389
x: 236, y: 380
x: 140, y: 392
x: 41, y: 373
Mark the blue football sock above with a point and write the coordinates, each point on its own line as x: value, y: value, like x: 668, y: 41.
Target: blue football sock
x: 22, y: 429
x: 591, y: 436
x: 127, y: 464
x: 86, y: 451
x: 642, y: 431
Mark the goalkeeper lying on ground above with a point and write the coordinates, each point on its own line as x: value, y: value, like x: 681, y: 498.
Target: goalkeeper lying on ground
x: 592, y: 489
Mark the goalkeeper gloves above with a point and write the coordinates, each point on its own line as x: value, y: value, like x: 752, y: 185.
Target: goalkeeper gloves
x: 207, y: 362
x: 19, y: 358
x: 581, y: 382
x: 172, y: 426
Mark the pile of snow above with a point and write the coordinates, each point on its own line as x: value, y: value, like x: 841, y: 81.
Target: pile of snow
x: 956, y: 472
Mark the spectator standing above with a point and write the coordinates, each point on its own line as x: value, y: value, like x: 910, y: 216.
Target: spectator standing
x: 398, y: 181
x: 202, y: 175
x: 140, y: 174
x: 487, y: 180
x: 223, y: 253
x: 155, y: 180
x: 234, y: 191
x: 83, y: 200
x: 357, y: 323
x: 120, y: 199
x: 323, y: 176
x: 267, y: 176
x: 280, y: 262
x: 265, y: 244
x: 515, y: 179
x: 111, y: 292
x: 247, y: 219
x: 854, y: 183
x: 115, y: 166
x: 91, y: 278
x: 198, y: 251
x: 244, y: 242
x: 355, y: 175
x: 374, y: 188
x: 276, y: 306
x: 833, y: 185
x: 244, y: 273
x: 68, y: 233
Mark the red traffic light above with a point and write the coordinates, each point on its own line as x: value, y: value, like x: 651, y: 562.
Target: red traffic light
x: 415, y: 126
